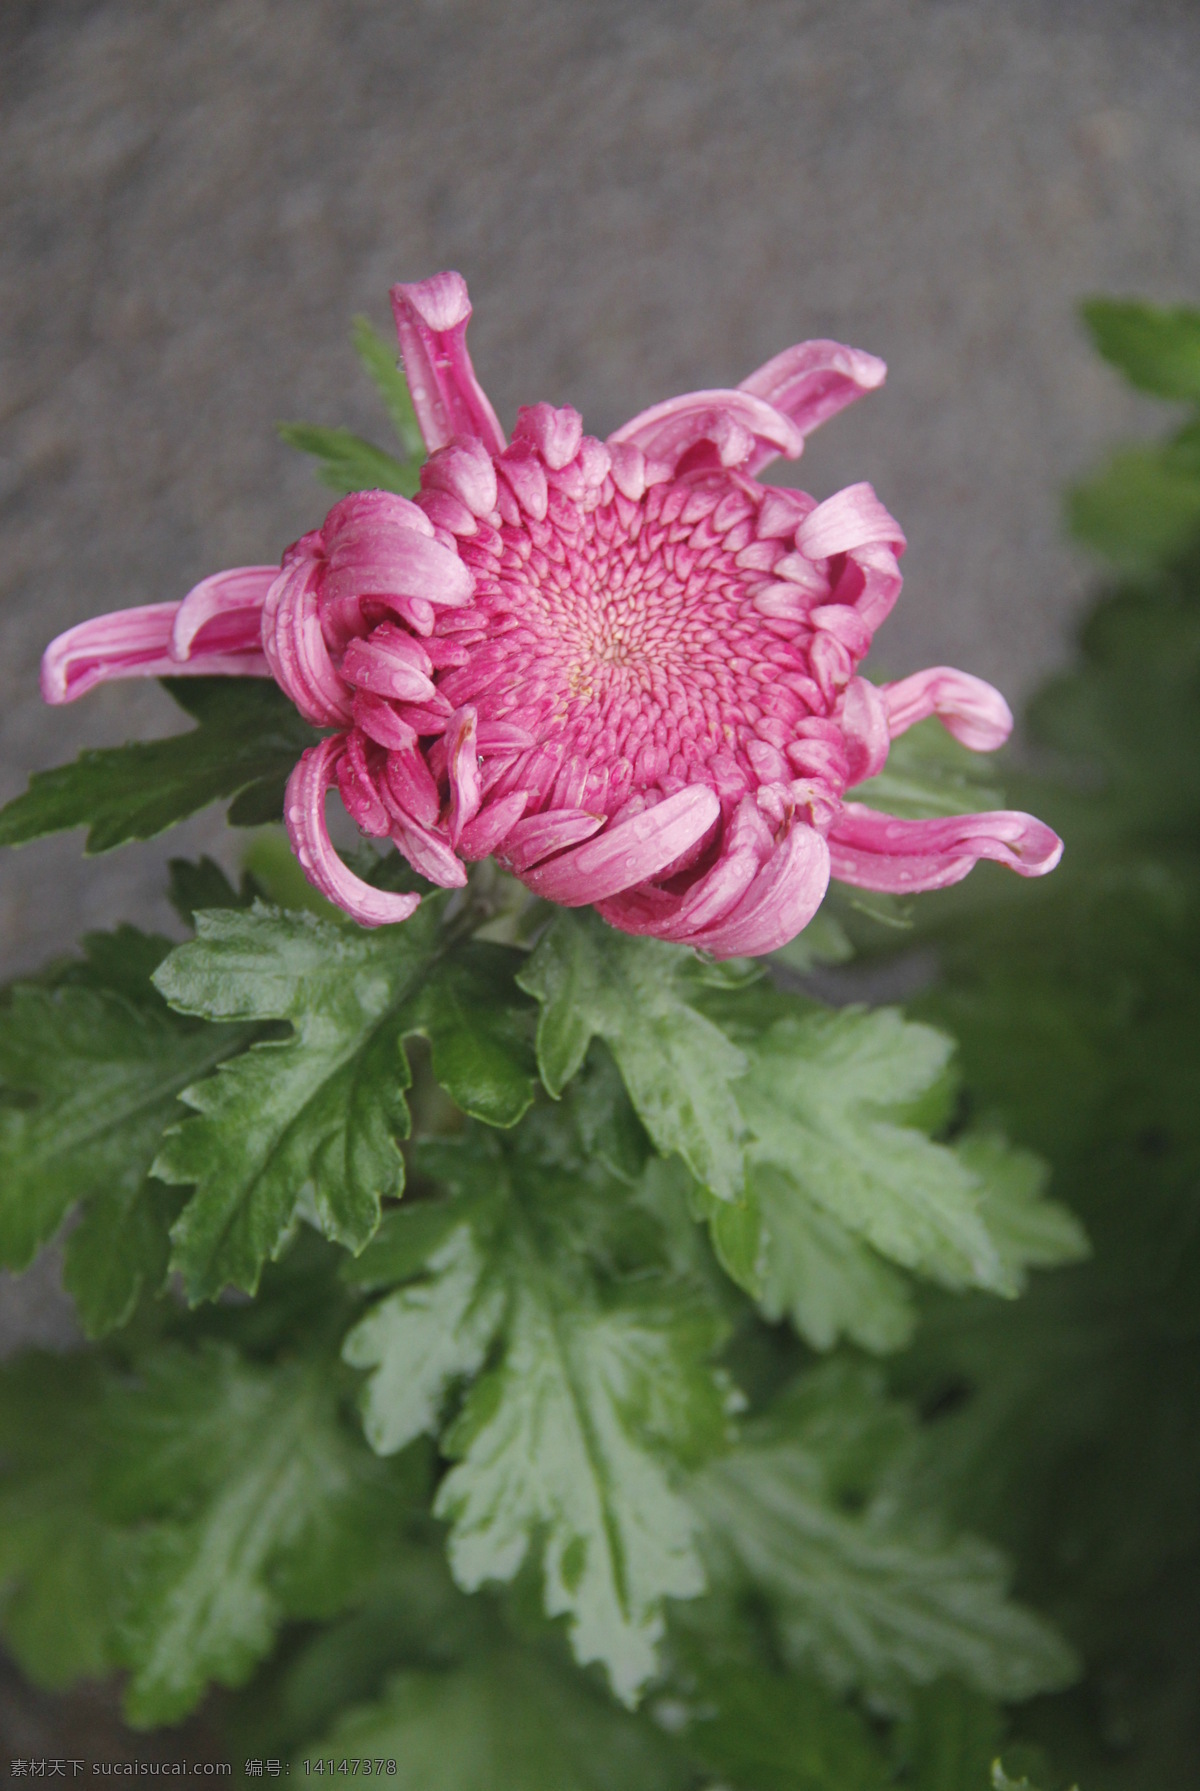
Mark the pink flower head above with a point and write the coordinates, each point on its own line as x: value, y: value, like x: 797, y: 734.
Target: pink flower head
x: 626, y: 669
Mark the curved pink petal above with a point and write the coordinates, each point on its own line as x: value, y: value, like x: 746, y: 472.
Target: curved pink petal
x: 361, y: 514
x: 462, y: 770
x: 877, y: 851
x: 853, y: 517
x: 359, y: 792
x: 431, y: 322
x: 644, y: 846
x: 866, y: 736
x: 657, y: 912
x: 223, y: 612
x: 779, y: 903
x: 295, y: 647
x: 492, y: 825
x: 399, y: 563
x: 974, y: 712
x: 412, y: 787
x: 738, y: 423
x: 535, y: 838
x: 304, y: 809
x: 872, y: 581
x: 389, y: 664
x: 379, y: 721
x: 463, y: 470
x: 812, y: 382
x: 555, y: 432
x: 133, y: 643
x: 428, y: 853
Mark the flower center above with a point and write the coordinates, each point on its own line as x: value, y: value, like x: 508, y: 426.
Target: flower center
x: 627, y: 639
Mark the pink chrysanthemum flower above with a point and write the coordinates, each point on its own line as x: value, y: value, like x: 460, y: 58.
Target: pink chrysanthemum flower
x: 626, y: 669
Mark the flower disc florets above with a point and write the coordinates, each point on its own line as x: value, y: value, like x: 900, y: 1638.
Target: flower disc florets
x: 627, y: 669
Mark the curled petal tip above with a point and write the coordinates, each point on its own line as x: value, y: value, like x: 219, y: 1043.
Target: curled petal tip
x: 441, y: 302
x: 431, y: 323
x: 304, y: 810
x: 899, y: 857
x: 973, y: 712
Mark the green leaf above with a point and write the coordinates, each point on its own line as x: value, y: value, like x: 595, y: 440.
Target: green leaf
x: 929, y: 774
x: 310, y: 1124
x: 119, y: 1250
x: 827, y: 1103
x: 425, y: 1335
x: 201, y: 883
x: 764, y: 1732
x: 1141, y: 511
x: 635, y: 994
x: 595, y: 1395
x: 379, y: 359
x: 251, y: 1503
x: 864, y: 1591
x: 1029, y: 1231
x: 559, y: 1443
x: 509, y: 1722
x: 94, y: 1078
x: 315, y: 1116
x: 480, y: 1032
x: 346, y: 462
x: 822, y: 1277
x: 245, y: 747
x: 1156, y: 347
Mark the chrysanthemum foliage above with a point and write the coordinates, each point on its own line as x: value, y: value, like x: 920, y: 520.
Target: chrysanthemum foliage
x: 543, y: 1342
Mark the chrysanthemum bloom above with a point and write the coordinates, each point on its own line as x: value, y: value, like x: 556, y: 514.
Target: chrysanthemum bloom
x: 626, y: 669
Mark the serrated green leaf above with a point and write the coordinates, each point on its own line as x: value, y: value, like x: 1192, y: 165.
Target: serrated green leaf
x: 1156, y: 347
x: 764, y: 1732
x: 1029, y: 1231
x: 424, y: 1336
x: 379, y: 359
x: 826, y: 1103
x: 510, y: 1722
x: 634, y: 994
x: 316, y: 1118
x: 94, y: 1079
x: 316, y: 1115
x: 821, y: 1276
x: 251, y: 1503
x: 246, y: 746
x: 119, y: 1250
x: 558, y: 1443
x: 864, y: 1592
x: 929, y: 774
x: 597, y: 1393
x: 347, y: 462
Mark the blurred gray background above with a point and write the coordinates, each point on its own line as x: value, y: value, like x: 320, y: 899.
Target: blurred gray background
x: 645, y: 197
